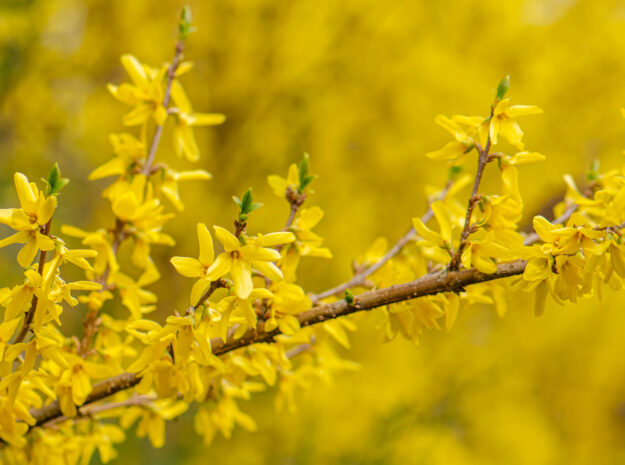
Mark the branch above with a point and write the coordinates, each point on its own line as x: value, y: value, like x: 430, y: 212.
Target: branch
x: 35, y: 300
x: 430, y: 284
x: 171, y: 74
x: 482, y: 160
x: 359, y: 278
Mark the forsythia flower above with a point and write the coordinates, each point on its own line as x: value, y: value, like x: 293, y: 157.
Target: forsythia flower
x: 238, y: 259
x: 29, y: 221
x: 504, y: 122
x: 145, y: 93
x: 184, y: 140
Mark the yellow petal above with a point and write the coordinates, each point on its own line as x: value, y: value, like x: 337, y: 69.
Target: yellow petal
x: 272, y: 239
x: 114, y: 167
x: 179, y: 97
x: 288, y: 324
x: 269, y: 270
x: 278, y: 185
x: 440, y: 213
x: 207, y: 254
x: 523, y: 110
x: 252, y: 252
x: 25, y: 194
x: 208, y: 119
x: 187, y: 266
x: 227, y: 239
x: 134, y: 69
x: 185, y: 142
x: 425, y: 232
x: 27, y: 254
x: 241, y: 273
x: 198, y: 290
x: 220, y: 267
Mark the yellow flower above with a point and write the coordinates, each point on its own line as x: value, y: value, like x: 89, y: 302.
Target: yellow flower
x: 184, y: 140
x: 197, y: 268
x: 442, y: 239
x: 238, y: 307
x: 29, y: 220
x: 465, y: 136
x: 129, y: 151
x: 307, y: 243
x: 480, y: 254
x: 238, y: 259
x: 503, y: 122
x: 97, y: 240
x: 169, y: 183
x: 279, y: 185
x: 74, y: 384
x: 146, y: 92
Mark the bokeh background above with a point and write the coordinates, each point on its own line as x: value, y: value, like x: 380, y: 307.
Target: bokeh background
x: 357, y: 84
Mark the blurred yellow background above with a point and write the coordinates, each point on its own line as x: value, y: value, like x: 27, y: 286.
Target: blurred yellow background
x: 357, y: 84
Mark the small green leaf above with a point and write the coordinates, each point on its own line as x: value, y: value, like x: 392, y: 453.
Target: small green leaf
x: 246, y: 204
x: 454, y: 171
x: 55, y: 182
x: 593, y: 173
x: 304, y: 178
x: 255, y: 206
x: 349, y: 297
x: 503, y: 87
x: 184, y: 25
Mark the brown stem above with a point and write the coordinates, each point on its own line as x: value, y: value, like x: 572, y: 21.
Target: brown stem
x: 171, y: 74
x: 359, y: 278
x: 28, y: 319
x: 482, y: 160
x: 212, y: 288
x: 430, y: 284
x: 89, y: 410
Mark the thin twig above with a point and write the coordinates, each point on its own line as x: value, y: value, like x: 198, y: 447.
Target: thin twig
x: 88, y: 411
x: 359, y: 278
x: 482, y: 160
x: 28, y: 319
x: 171, y: 74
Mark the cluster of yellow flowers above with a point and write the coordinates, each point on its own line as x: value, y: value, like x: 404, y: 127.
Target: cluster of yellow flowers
x: 249, y: 324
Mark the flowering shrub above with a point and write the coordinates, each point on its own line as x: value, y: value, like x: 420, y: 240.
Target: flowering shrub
x: 248, y: 324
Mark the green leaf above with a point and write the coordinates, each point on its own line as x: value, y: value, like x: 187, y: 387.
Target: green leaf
x: 304, y: 178
x: 349, y: 297
x: 55, y: 182
x: 246, y: 201
x: 255, y: 206
x: 246, y: 204
x: 503, y: 87
x: 593, y: 173
x: 454, y: 171
x: 184, y: 25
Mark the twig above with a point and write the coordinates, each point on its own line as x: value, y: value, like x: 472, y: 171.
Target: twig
x: 171, y: 74
x: 359, y: 278
x: 28, y: 319
x: 89, y: 410
x: 473, y: 200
